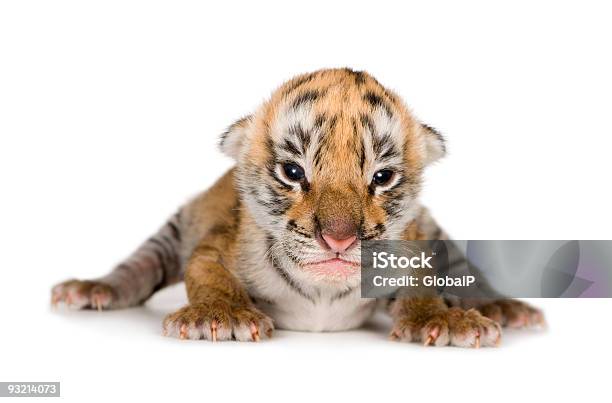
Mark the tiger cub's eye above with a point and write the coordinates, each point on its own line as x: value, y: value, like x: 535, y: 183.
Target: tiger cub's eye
x: 293, y: 172
x: 382, y: 177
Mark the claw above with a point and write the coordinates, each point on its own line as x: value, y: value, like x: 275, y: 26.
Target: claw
x: 393, y: 336
x: 183, y: 332
x: 433, y: 336
x: 429, y: 341
x: 254, y: 332
x: 213, y: 330
x: 98, y: 304
x: 54, y: 300
x: 477, y: 342
x: 269, y: 332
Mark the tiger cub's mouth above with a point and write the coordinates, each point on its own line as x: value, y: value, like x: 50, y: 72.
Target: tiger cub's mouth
x: 334, y: 267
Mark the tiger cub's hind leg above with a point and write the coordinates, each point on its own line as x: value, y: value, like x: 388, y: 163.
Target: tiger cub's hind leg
x: 154, y: 265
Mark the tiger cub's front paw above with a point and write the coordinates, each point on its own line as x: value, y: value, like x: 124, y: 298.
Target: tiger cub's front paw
x: 455, y: 327
x: 84, y: 294
x: 218, y: 321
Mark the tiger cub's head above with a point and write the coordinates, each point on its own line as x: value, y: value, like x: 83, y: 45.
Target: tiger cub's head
x: 331, y: 159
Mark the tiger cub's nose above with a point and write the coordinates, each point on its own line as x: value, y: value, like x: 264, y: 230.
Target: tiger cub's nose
x: 338, y: 245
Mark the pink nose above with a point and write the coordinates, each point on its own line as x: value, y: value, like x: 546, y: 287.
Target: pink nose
x: 339, y: 245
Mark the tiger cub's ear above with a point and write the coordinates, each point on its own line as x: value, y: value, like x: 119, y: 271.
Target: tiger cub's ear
x: 233, y: 138
x: 435, y: 145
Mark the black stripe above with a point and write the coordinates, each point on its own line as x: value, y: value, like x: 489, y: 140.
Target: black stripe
x: 275, y: 207
x: 376, y: 231
x: 291, y: 148
x: 392, y: 208
x: 302, y: 135
x: 257, y: 300
x: 359, y: 76
x: 161, y: 245
x: 436, y: 133
x: 377, y: 101
x: 284, y: 274
x: 279, y: 203
x: 305, y: 97
x: 175, y: 231
x: 298, y: 82
x: 389, y: 153
x: 292, y: 226
x: 168, y: 251
x: 289, y: 280
x: 324, y: 139
x: 223, y: 137
x: 319, y: 121
x: 380, y: 144
x: 164, y: 268
x: 362, y: 154
x: 343, y: 294
x: 367, y: 122
x: 332, y: 123
x: 171, y: 246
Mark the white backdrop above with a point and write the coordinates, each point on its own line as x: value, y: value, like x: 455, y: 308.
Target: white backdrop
x: 109, y: 118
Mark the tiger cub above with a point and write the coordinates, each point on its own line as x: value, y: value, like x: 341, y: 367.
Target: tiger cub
x: 331, y: 159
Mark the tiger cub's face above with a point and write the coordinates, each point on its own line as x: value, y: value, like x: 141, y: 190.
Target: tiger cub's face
x: 333, y: 158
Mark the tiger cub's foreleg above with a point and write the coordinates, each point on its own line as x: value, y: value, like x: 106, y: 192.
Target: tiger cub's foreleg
x: 154, y: 265
x: 219, y: 307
